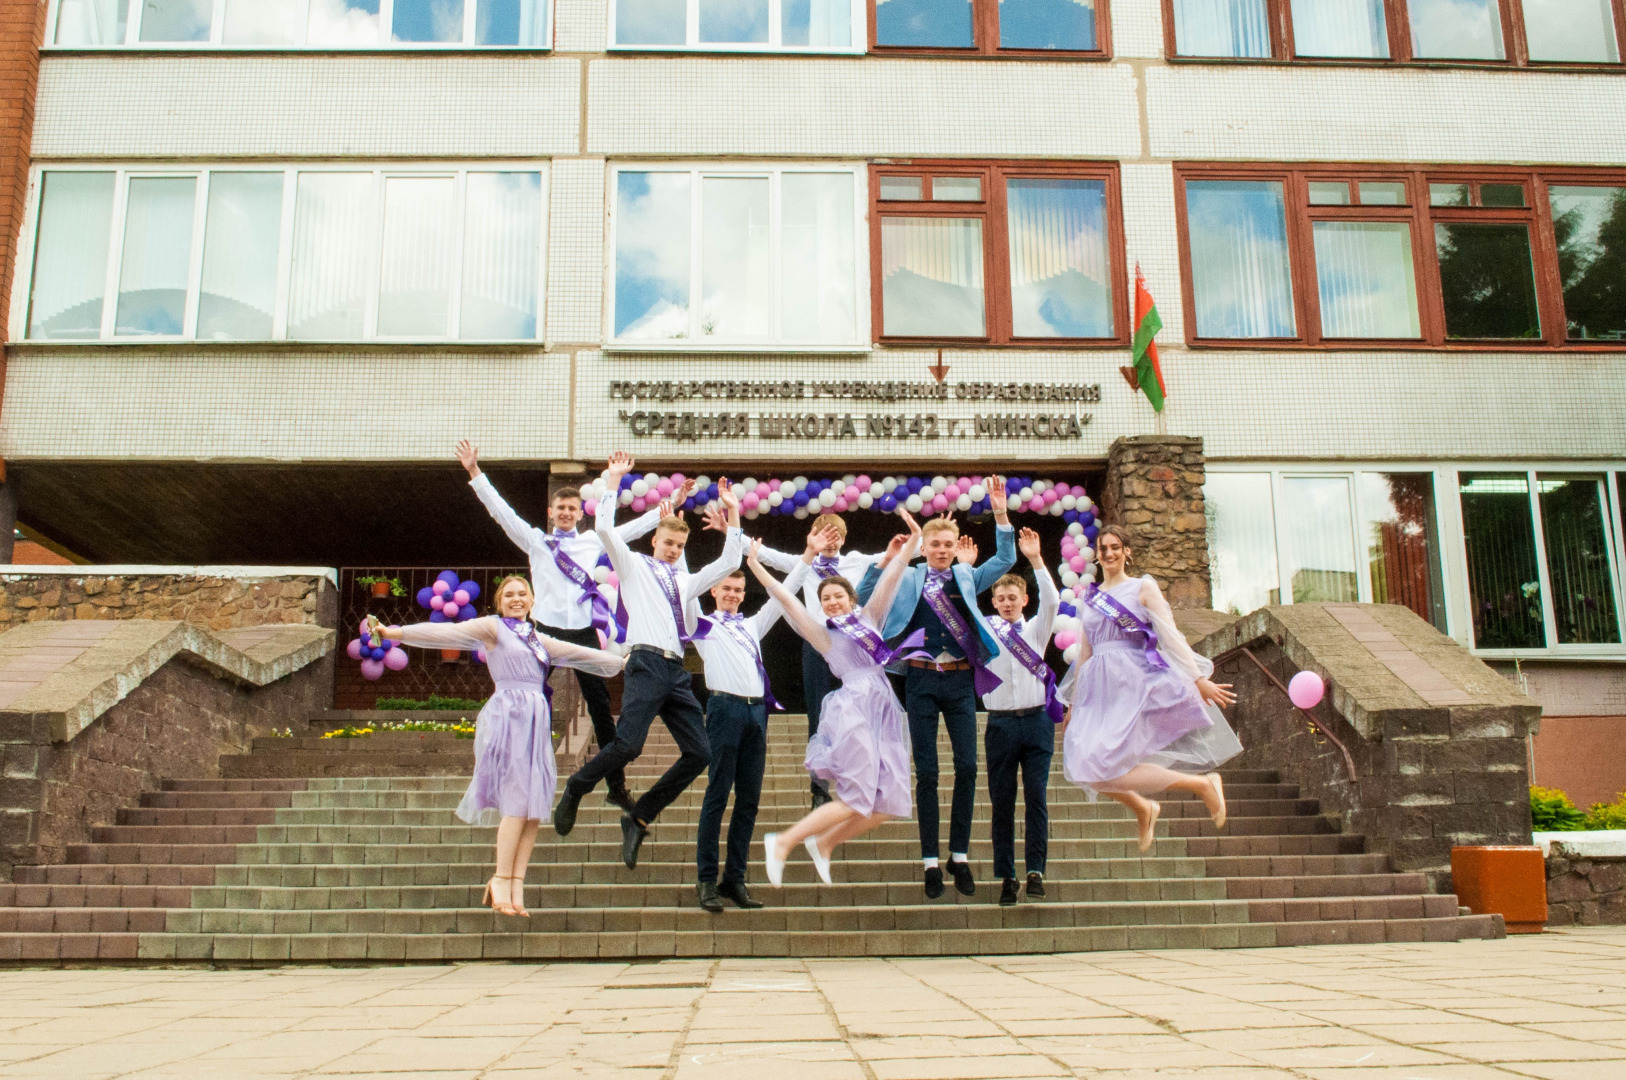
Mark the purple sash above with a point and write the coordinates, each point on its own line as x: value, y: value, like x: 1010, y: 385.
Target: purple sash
x: 984, y: 680
x: 826, y: 566
x: 1010, y: 636
x: 533, y: 642
x: 1105, y: 605
x: 603, y: 621
x: 853, y: 627
x: 734, y: 627
x: 666, y: 577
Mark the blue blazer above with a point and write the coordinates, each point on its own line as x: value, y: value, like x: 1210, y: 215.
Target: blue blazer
x: 971, y: 584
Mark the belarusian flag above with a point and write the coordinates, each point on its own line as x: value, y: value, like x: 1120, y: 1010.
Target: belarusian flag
x: 1147, y: 374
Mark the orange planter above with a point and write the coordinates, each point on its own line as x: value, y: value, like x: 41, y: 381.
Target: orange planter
x: 381, y: 588
x: 1503, y: 880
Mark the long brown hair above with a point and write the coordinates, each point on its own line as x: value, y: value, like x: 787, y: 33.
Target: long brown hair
x: 841, y: 583
x: 1123, y: 538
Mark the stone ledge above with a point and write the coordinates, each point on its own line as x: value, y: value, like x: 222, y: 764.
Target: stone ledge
x: 86, y: 570
x: 66, y: 674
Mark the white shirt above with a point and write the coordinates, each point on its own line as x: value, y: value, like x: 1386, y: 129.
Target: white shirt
x: 649, y: 613
x: 852, y: 565
x: 732, y: 668
x: 559, y: 600
x: 1019, y: 688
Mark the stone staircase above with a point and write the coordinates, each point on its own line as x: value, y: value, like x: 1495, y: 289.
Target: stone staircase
x: 352, y: 854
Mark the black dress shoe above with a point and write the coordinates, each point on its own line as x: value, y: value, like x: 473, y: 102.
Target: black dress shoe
x: 1035, y: 885
x: 1007, y: 893
x: 934, y: 882
x: 964, y: 883
x: 737, y: 892
x: 820, y: 798
x: 564, y: 815
x: 707, y: 891
x: 622, y: 799
x: 632, y: 838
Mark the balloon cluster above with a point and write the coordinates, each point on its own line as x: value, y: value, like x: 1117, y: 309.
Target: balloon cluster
x: 375, y: 659
x: 801, y: 497
x: 448, y: 599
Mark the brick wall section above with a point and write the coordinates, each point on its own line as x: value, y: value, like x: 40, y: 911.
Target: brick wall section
x: 176, y: 724
x: 218, y: 603
x: 1586, y: 892
x: 22, y: 24
x: 1154, y: 487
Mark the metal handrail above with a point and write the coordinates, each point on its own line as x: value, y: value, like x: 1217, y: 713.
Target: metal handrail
x: 1315, y: 721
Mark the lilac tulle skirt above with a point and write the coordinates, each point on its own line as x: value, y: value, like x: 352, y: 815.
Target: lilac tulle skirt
x: 862, y: 746
x: 1126, y: 713
x: 514, y: 773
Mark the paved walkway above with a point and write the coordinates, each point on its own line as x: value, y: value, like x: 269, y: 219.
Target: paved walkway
x: 1552, y: 1007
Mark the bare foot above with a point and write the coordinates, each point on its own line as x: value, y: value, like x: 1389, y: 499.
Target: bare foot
x: 1148, y: 823
x: 1215, y: 800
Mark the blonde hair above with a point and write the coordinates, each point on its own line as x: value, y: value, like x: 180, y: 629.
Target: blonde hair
x: 831, y: 521
x: 673, y: 524
x: 938, y: 525
x: 1012, y: 581
x: 496, y: 591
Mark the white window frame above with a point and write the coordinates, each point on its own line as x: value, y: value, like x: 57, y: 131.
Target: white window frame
x: 698, y: 344
x: 860, y: 35
x: 23, y: 281
x: 1451, y: 538
x: 217, y: 30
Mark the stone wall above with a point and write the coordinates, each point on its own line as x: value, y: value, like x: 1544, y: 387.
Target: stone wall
x: 1154, y: 487
x: 1586, y: 891
x: 1436, y: 737
x: 214, y: 598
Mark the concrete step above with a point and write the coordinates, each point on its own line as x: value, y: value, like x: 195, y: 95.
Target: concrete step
x: 104, y: 896
x: 1300, y: 886
x: 217, y: 800
x: 133, y: 875
x: 1284, y: 865
x: 1352, y: 908
x: 1351, y: 932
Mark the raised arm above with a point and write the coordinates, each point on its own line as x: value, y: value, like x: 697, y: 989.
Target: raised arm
x: 817, y: 540
x: 593, y: 661
x: 524, y: 535
x: 984, y: 576
x: 880, y: 601
x: 733, y: 547
x: 782, y: 561
x: 800, y: 619
x: 604, y: 521
x: 1049, y: 599
x: 474, y: 634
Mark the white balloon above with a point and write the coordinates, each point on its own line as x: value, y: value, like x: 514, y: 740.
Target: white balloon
x: 1068, y: 595
x: 1067, y: 502
x: 626, y: 498
x: 652, y: 478
x: 1014, y: 503
x: 877, y: 488
x: 889, y: 484
x: 1075, y: 529
x: 1085, y: 503
x: 865, y: 501
x: 912, y: 504
x: 939, y: 484
x: 1054, y: 509
x: 801, y: 512
x: 775, y: 498
x: 827, y: 497
x: 747, y: 485
x: 1088, y: 553
x: 1025, y: 494
x: 601, y: 574
x: 963, y: 502
x: 977, y: 493
x: 849, y: 478
x: 837, y: 487
x: 1069, y: 578
x: 639, y: 488
x: 787, y: 490
x: 1070, y: 654
x: 800, y: 482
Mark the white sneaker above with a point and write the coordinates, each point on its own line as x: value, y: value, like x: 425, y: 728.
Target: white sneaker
x: 776, y: 865
x: 820, y: 863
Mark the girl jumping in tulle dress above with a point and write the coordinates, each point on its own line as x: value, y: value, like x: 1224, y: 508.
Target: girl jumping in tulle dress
x: 514, y: 775
x: 861, y: 749
x: 1144, y: 714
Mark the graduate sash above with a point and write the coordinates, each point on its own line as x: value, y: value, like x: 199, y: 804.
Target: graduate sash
x: 826, y: 566
x: 525, y: 630
x: 853, y: 627
x: 666, y: 576
x: 604, y: 621
x: 1105, y: 605
x: 1010, y: 636
x: 734, y: 626
x: 937, y: 597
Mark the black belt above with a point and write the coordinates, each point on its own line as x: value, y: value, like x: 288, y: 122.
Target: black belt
x: 658, y: 651
x: 1014, y: 714
x: 739, y: 697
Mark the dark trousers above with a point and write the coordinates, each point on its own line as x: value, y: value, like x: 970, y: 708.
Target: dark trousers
x: 738, y: 732
x: 817, y: 683
x: 596, y: 696
x: 1026, y: 741
x: 655, y: 686
x: 953, y: 695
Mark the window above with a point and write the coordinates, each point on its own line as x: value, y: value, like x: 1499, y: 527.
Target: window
x: 1518, y: 32
x: 1340, y: 537
x: 1004, y: 254
x: 1345, y: 255
x: 295, y: 24
x: 990, y: 27
x: 818, y: 26
x: 302, y: 254
x: 738, y: 258
x: 1542, y: 558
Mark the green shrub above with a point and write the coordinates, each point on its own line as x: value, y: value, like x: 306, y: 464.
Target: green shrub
x: 433, y: 701
x: 1552, y: 811
x: 1608, y: 815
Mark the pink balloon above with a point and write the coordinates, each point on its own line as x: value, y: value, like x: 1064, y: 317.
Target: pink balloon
x: 638, y: 505
x: 372, y: 670
x: 1306, y: 689
x: 951, y: 492
x: 939, y: 503
x: 677, y: 480
x: 353, y: 650
x: 964, y: 484
x: 461, y: 597
x: 480, y: 654
x: 975, y: 480
x: 664, y: 487
x: 437, y: 602
x: 590, y: 507
x: 1066, y: 639
x: 749, y: 501
x: 614, y: 580
x: 395, y: 659
x: 1062, y: 489
x: 450, y: 610
x: 862, y: 482
x: 1068, y: 549
x: 1077, y: 563
x: 440, y: 588
x: 840, y: 505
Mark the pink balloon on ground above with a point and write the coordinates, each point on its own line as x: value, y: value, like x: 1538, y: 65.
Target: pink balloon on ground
x: 372, y: 670
x: 1306, y: 689
x: 395, y: 659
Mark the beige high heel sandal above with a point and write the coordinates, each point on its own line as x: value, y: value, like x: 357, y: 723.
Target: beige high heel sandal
x: 517, y: 903
x: 1218, y: 785
x: 1149, y: 832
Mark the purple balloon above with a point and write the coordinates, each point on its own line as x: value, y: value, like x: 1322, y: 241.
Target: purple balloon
x: 372, y: 670
x: 437, y: 616
x: 353, y: 650
x: 449, y: 577
x: 425, y: 595
x: 396, y: 659
x: 471, y: 588
x: 466, y: 612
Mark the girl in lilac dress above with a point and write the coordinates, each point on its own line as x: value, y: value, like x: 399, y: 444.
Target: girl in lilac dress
x: 861, y: 749
x: 514, y: 775
x: 1144, y: 714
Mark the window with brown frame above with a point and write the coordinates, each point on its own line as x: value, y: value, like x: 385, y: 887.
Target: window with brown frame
x: 990, y: 27
x: 1515, y: 32
x: 1007, y: 254
x: 1332, y: 255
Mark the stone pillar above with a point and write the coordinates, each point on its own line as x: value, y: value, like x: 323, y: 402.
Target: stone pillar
x: 1154, y: 488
